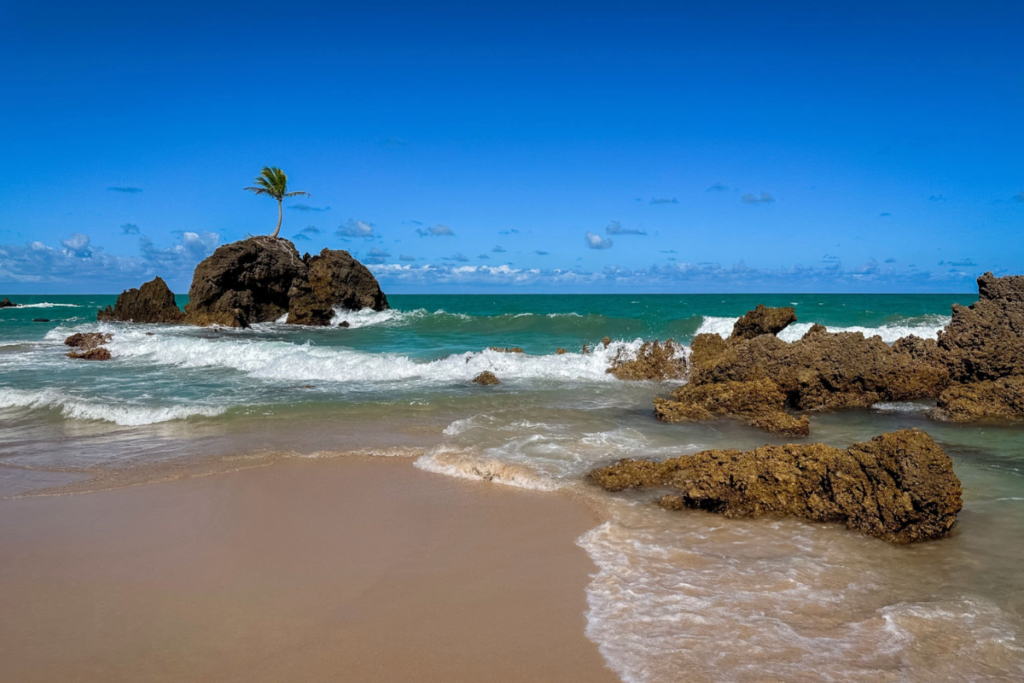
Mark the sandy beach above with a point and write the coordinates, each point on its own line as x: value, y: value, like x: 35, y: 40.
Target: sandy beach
x: 356, y: 569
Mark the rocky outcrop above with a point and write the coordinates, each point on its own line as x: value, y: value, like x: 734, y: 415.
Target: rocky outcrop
x: 760, y: 403
x: 261, y: 279
x: 763, y: 320
x: 98, y: 353
x: 87, y: 340
x: 486, y: 378
x: 653, y: 361
x: 899, y: 487
x: 7, y: 303
x: 153, y: 302
x: 333, y: 279
x: 1000, y: 399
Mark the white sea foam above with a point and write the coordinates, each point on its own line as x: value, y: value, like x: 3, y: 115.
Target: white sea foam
x: 464, y: 465
x: 902, y: 407
x: 85, y: 409
x: 44, y: 304
x: 277, y: 360
x: 926, y: 327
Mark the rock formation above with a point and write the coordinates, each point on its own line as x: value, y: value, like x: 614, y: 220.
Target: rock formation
x: 653, y: 361
x: 153, y: 302
x: 99, y: 353
x: 760, y: 403
x: 763, y: 320
x: 261, y: 279
x: 899, y: 487
x: 486, y: 378
x: 7, y: 303
x: 87, y: 340
x: 333, y: 279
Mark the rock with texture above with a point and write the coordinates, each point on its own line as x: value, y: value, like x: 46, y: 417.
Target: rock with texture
x: 653, y: 361
x: 333, y: 280
x: 985, y: 341
x: 760, y: 403
x: 87, y: 340
x: 899, y: 487
x: 153, y: 302
x: 486, y: 378
x: 7, y: 303
x: 98, y: 353
x: 763, y: 320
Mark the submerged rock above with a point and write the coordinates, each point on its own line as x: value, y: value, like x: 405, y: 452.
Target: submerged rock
x: 760, y: 403
x: 506, y: 349
x: 763, y: 320
x: 333, y: 280
x: 153, y: 302
x: 98, y: 353
x: 87, y: 340
x: 486, y: 378
x: 7, y: 303
x: 899, y: 487
x: 653, y: 361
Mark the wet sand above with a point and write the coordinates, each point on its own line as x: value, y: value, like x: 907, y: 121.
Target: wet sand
x: 357, y: 569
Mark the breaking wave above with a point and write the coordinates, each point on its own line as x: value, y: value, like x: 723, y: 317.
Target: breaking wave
x: 463, y: 465
x: 44, y: 304
x: 84, y: 409
x: 925, y: 326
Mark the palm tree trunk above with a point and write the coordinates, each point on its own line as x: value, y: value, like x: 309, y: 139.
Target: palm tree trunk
x: 279, y: 217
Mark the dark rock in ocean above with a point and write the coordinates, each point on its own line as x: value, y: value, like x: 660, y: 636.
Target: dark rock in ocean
x: 486, y: 378
x: 7, y: 303
x: 333, y: 280
x: 244, y: 282
x: 153, y: 302
x: 760, y: 403
x: 99, y: 353
x: 606, y: 341
x: 40, y: 320
x: 653, y: 361
x: 899, y: 487
x: 985, y: 341
x: 87, y: 340
x: 763, y: 320
x: 344, y: 323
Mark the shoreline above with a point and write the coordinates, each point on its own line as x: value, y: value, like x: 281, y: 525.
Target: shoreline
x: 356, y: 568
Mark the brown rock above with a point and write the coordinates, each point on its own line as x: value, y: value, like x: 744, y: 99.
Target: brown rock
x: 560, y: 351
x: 506, y: 349
x: 606, y: 341
x: 763, y: 320
x: 486, y: 378
x: 333, y: 280
x: 760, y: 403
x: 985, y: 341
x: 7, y: 303
x: 98, y: 353
x: 899, y: 487
x: 653, y: 361
x: 87, y: 340
x: 152, y: 303
x: 991, y: 399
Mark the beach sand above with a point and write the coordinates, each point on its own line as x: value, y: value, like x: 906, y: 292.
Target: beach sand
x: 355, y: 569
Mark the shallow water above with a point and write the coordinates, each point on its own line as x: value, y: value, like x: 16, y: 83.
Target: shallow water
x: 676, y: 595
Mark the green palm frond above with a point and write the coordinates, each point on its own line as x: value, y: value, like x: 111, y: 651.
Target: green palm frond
x: 274, y: 182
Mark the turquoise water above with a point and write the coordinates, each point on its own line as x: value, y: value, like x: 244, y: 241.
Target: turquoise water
x: 673, y: 592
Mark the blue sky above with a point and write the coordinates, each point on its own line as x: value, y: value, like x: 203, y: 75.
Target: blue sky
x: 519, y: 147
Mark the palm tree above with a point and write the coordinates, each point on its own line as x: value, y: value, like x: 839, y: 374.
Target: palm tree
x: 272, y: 181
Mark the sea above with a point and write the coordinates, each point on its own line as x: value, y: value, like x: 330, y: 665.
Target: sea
x: 674, y: 595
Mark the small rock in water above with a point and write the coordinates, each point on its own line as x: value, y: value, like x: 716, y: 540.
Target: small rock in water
x: 87, y: 340
x: 7, y: 303
x: 99, y: 353
x: 486, y: 378
x: 344, y: 323
x: 653, y: 361
x: 899, y: 487
x: 40, y: 320
x: 606, y: 341
x: 507, y: 349
x: 560, y: 351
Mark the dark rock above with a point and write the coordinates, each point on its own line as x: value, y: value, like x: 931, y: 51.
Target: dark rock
x: 344, y: 323
x: 899, y: 487
x: 153, y: 302
x: 7, y: 303
x: 244, y: 282
x: 486, y: 378
x: 87, y: 340
x: 985, y: 341
x: 763, y: 320
x: 333, y: 279
x: 40, y: 320
x: 99, y: 353
x: 653, y: 361
x: 760, y: 403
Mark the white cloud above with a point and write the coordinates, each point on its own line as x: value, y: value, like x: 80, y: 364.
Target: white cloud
x: 597, y: 242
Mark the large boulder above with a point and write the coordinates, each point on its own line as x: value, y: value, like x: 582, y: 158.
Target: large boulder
x: 899, y: 487
x: 761, y: 403
x: 88, y: 340
x: 244, y: 282
x: 153, y: 302
x: 7, y: 303
x: 653, y: 361
x: 985, y: 341
x: 763, y: 320
x: 333, y: 280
